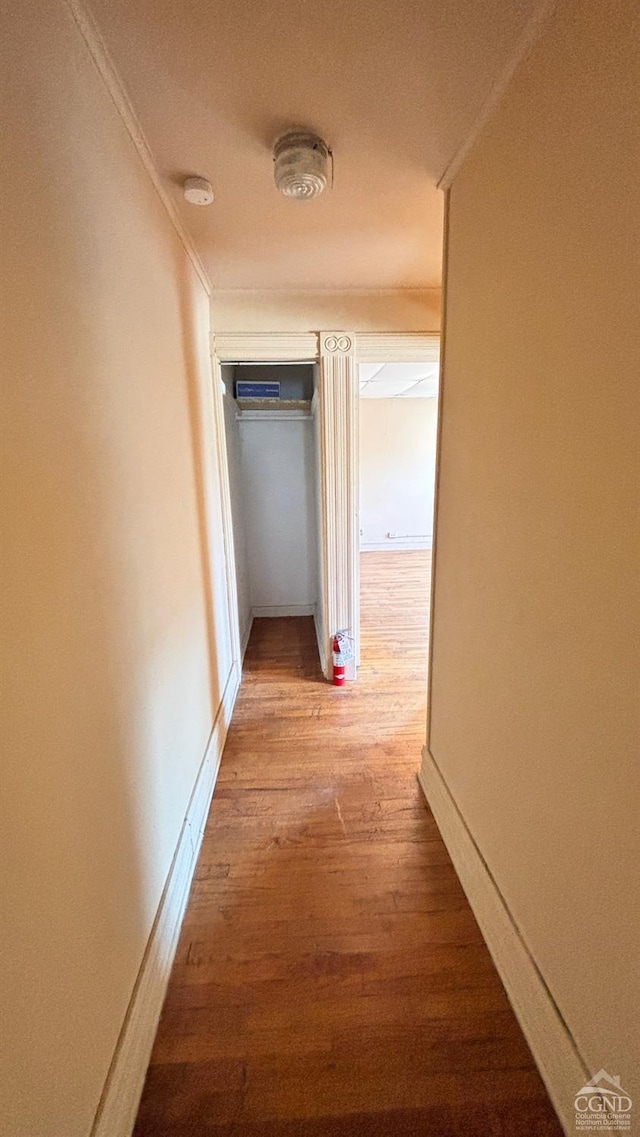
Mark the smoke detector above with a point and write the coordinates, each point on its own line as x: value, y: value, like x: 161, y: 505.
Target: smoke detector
x: 198, y: 191
x: 300, y: 165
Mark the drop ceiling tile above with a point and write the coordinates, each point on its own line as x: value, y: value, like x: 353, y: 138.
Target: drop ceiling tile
x: 385, y: 389
x: 368, y: 370
x: 424, y: 389
x: 399, y: 380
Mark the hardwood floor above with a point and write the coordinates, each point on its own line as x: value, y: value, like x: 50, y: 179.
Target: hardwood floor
x: 331, y: 980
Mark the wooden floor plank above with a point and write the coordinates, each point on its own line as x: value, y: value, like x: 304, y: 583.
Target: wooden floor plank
x: 331, y: 980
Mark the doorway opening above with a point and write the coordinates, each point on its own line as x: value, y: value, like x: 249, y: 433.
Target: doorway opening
x: 398, y: 417
x: 272, y: 442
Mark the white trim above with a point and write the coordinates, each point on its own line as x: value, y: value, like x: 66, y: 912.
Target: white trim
x: 227, y: 518
x: 340, y: 473
x: 554, y: 1050
x: 322, y: 647
x: 396, y: 546
x: 398, y: 347
x: 266, y: 347
x: 524, y: 45
x: 245, y: 638
x: 436, y: 488
x: 319, y: 616
x: 123, y: 1087
x: 283, y: 610
x: 106, y: 68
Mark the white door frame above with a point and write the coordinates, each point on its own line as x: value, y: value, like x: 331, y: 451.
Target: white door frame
x: 338, y: 354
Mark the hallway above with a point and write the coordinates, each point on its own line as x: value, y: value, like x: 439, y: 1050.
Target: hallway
x: 330, y: 979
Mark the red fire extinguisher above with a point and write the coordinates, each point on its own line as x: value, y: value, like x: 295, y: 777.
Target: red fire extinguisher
x: 342, y: 647
x: 338, y: 666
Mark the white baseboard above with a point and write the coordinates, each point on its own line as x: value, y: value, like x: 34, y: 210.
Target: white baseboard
x: 562, y: 1068
x: 283, y: 610
x: 392, y: 546
x: 123, y: 1087
x: 245, y: 638
x: 322, y: 645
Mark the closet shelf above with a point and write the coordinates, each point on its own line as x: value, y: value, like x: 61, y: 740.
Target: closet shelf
x: 274, y: 404
x: 273, y: 408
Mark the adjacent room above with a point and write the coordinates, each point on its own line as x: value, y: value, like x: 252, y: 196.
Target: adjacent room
x: 398, y: 431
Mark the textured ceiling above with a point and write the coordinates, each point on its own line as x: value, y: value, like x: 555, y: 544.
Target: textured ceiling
x: 398, y: 380
x: 393, y: 87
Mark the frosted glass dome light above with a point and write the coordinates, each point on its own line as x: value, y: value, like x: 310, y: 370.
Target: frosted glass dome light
x: 300, y: 165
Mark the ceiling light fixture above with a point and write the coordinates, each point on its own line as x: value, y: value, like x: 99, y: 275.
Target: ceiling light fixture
x: 300, y: 165
x: 198, y: 191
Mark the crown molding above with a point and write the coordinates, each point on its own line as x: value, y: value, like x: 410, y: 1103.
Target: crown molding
x: 278, y: 347
x: 88, y: 29
x: 524, y: 45
x: 265, y: 347
x: 398, y: 347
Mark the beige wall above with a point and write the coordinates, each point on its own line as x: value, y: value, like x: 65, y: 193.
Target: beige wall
x: 112, y: 666
x: 535, y: 668
x: 393, y: 310
x: 397, y: 471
